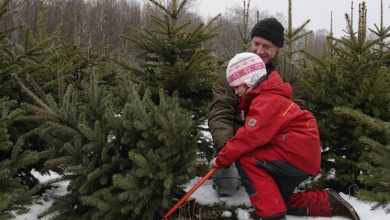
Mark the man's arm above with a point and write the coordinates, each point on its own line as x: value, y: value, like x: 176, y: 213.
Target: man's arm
x: 223, y: 118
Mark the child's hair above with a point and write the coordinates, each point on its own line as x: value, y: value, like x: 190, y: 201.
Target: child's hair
x: 245, y: 68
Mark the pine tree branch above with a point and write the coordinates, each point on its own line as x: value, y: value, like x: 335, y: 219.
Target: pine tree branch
x: 32, y: 95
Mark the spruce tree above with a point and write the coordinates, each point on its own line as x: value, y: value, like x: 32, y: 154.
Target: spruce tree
x: 291, y: 54
x: 375, y: 166
x: 15, y: 194
x: 174, y: 56
x: 77, y: 126
x: 355, y: 77
x: 17, y: 184
x: 120, y: 164
x: 293, y: 38
x: 40, y: 60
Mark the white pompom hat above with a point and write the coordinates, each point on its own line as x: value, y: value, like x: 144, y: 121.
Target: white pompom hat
x: 245, y: 68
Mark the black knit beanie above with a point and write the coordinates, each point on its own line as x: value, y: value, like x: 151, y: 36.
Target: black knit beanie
x: 270, y: 29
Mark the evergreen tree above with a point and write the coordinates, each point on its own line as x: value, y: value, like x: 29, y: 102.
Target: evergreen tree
x: 56, y: 63
x: 147, y: 148
x: 44, y: 57
x: 16, y: 182
x: 14, y: 194
x: 175, y: 57
x: 375, y: 166
x: 356, y: 77
x: 244, y: 30
x: 291, y: 51
x: 161, y: 158
x: 291, y: 54
x: 40, y: 60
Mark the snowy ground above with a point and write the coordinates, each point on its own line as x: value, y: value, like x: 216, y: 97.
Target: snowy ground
x: 205, y: 195
x: 47, y: 198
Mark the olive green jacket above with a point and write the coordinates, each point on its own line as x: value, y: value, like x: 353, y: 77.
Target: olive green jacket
x: 224, y: 116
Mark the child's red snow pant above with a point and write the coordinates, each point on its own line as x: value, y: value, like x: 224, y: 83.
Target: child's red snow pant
x: 270, y: 186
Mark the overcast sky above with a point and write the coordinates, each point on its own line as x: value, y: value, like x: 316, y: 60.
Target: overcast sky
x: 318, y: 11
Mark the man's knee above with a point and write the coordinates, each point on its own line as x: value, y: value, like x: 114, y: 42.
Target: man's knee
x: 227, y: 181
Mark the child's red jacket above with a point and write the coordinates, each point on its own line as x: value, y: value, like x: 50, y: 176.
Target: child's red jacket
x: 275, y: 128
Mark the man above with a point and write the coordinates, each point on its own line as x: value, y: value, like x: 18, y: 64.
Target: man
x: 224, y: 116
x: 270, y: 172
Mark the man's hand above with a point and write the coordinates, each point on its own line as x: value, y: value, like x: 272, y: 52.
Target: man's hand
x: 213, y: 163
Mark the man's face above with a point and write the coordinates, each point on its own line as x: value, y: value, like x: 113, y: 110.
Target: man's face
x: 264, y: 48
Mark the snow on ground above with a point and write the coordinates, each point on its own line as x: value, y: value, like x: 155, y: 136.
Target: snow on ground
x: 205, y: 195
x: 47, y: 198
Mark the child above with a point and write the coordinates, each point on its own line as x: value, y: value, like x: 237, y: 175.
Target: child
x: 277, y: 148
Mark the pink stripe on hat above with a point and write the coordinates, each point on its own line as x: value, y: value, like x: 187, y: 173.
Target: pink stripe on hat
x: 246, y: 70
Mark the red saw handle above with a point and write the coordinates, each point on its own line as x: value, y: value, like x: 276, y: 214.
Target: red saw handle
x: 189, y: 193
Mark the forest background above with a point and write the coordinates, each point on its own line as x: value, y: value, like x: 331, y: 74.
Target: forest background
x: 114, y: 96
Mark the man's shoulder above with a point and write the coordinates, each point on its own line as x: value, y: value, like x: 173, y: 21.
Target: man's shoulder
x: 220, y: 82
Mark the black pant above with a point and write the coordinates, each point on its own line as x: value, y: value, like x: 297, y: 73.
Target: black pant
x: 286, y: 175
